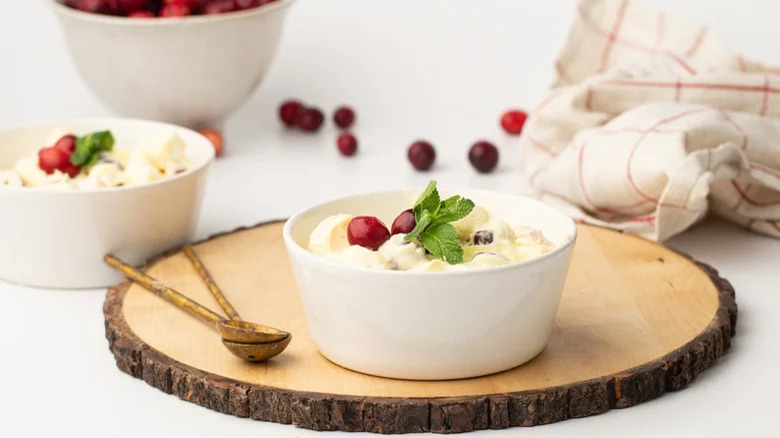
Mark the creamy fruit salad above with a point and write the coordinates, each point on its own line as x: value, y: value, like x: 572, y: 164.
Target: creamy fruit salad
x: 435, y: 235
x: 92, y: 162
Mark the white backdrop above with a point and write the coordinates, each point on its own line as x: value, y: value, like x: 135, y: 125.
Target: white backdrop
x: 442, y: 70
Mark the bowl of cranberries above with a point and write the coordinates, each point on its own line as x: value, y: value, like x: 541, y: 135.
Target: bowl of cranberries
x: 377, y: 302
x: 187, y: 62
x: 56, y: 234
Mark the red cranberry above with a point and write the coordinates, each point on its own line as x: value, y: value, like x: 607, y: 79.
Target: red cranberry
x: 289, y: 111
x: 310, y: 119
x: 218, y: 7
x: 175, y: 10
x: 127, y: 7
x: 191, y: 4
x: 421, y: 154
x: 141, y: 14
x: 404, y: 223
x: 483, y: 156
x: 215, y: 138
x: 344, y: 117
x: 51, y: 159
x: 347, y: 144
x: 367, y: 231
x: 241, y: 5
x: 97, y: 6
x: 66, y: 144
x: 72, y: 3
x: 513, y: 121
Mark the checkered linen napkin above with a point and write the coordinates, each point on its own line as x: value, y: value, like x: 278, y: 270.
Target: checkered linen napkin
x: 652, y: 123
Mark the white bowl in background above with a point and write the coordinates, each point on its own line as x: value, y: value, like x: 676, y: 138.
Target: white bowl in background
x: 431, y: 325
x: 56, y: 238
x: 191, y: 71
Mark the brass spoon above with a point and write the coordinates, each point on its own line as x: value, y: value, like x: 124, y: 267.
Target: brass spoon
x: 235, y: 329
x: 252, y: 352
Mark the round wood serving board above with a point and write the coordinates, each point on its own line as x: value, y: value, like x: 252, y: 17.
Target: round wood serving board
x: 636, y: 319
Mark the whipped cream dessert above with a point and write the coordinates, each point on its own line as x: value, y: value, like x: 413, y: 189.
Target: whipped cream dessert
x: 483, y: 241
x: 92, y: 162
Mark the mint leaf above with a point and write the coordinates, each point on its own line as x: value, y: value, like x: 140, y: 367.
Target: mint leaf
x: 429, y: 200
x: 89, y: 147
x: 442, y: 241
x: 454, y: 208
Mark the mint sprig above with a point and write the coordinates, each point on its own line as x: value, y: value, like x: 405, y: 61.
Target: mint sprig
x: 89, y: 147
x: 433, y: 229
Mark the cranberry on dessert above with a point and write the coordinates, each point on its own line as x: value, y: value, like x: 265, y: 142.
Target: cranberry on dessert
x: 483, y: 237
x: 421, y: 154
x: 404, y: 223
x: 310, y: 119
x: 289, y: 111
x: 127, y: 7
x: 241, y: 5
x: 344, y: 117
x: 218, y: 7
x: 52, y: 159
x: 141, y: 14
x: 215, y: 138
x: 512, y: 121
x: 66, y: 144
x: 192, y: 5
x: 175, y: 10
x: 483, y: 156
x: 96, y: 6
x: 347, y: 144
x: 367, y: 231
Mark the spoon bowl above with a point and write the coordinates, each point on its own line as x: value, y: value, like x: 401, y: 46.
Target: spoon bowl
x: 256, y: 352
x: 245, y: 332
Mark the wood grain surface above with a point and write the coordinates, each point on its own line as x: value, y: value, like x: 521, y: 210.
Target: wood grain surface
x: 636, y: 319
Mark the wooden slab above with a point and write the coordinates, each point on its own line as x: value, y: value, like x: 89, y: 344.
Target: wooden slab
x: 636, y: 319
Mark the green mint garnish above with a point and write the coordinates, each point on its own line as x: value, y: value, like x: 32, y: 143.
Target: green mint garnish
x: 433, y: 227
x: 89, y: 147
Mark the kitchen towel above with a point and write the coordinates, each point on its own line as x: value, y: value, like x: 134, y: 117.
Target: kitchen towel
x: 652, y: 123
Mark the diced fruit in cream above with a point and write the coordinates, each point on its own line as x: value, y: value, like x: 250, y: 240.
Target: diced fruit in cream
x: 98, y: 163
x: 330, y: 236
x: 402, y: 255
x: 466, y: 226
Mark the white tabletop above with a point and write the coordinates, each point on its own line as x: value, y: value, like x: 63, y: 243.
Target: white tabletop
x: 441, y: 70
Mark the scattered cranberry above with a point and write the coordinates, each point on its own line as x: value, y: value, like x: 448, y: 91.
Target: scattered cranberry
x: 483, y: 156
x: 483, y: 237
x: 512, y: 121
x: 310, y: 119
x: 127, y: 7
x: 344, y: 117
x: 96, y: 6
x: 404, y: 223
x: 215, y: 138
x: 421, y: 154
x: 51, y: 159
x: 289, y: 111
x: 367, y: 231
x: 175, y: 10
x: 66, y: 144
x: 347, y: 144
x: 218, y: 7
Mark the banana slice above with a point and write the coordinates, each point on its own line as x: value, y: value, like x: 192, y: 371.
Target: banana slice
x: 9, y: 178
x: 330, y: 235
x: 466, y: 226
x: 361, y: 257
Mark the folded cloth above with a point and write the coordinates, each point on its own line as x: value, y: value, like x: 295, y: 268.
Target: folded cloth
x: 652, y: 123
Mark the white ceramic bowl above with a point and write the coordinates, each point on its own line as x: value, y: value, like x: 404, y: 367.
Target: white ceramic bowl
x: 431, y: 325
x: 191, y: 71
x: 55, y: 238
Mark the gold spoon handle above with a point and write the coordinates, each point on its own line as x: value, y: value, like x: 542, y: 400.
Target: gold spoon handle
x: 163, y: 291
x: 210, y: 283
